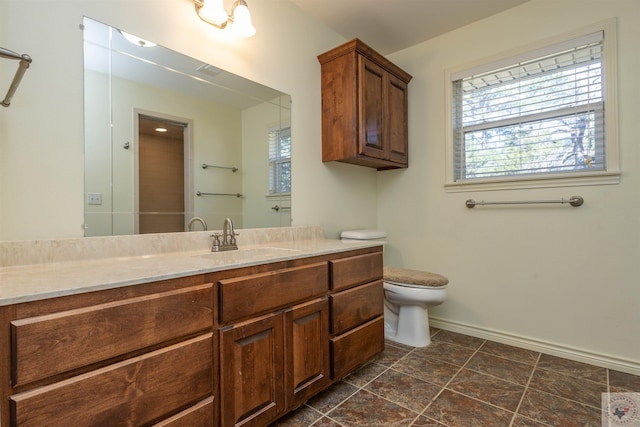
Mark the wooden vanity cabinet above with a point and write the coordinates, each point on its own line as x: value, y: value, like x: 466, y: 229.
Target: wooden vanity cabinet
x: 364, y: 108
x: 236, y: 347
x: 357, y: 303
x: 131, y: 356
x: 273, y: 362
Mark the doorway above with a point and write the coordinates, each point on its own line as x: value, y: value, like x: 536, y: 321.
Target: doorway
x: 161, y: 170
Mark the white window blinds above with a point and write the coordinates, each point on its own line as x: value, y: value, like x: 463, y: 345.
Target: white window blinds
x: 539, y: 113
x: 280, y: 161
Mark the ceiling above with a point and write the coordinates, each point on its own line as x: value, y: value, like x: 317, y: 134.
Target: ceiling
x: 392, y: 25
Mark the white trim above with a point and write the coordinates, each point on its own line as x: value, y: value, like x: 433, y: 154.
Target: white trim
x: 536, y: 181
x: 529, y: 55
x: 612, y: 173
x: 554, y: 349
x: 278, y: 196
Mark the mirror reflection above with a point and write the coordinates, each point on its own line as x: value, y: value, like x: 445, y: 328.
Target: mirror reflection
x: 169, y: 139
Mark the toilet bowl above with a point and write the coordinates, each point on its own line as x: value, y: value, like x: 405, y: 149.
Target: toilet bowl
x: 408, y: 294
x: 406, y: 304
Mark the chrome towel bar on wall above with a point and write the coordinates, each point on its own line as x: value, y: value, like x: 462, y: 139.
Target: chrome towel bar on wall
x: 25, y: 61
x: 231, y: 168
x: 199, y: 193
x: 574, y: 201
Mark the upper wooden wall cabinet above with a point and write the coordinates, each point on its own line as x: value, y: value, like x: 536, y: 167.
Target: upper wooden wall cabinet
x: 364, y: 108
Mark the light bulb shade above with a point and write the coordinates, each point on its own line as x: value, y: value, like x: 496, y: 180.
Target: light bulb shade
x: 242, y: 26
x: 212, y: 11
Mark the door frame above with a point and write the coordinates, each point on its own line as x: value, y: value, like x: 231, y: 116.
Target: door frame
x: 188, y: 164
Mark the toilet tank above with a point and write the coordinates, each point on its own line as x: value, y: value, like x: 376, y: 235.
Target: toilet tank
x: 367, y: 234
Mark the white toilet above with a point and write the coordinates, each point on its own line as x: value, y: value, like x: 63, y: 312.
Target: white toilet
x: 407, y: 296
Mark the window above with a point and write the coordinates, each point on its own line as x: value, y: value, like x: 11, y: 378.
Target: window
x: 537, y: 115
x: 280, y: 161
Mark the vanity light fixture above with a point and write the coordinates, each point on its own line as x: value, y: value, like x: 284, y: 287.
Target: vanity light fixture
x: 239, y: 21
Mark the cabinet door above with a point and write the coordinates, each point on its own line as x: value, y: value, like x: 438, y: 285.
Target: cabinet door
x: 251, y: 357
x: 397, y: 121
x: 372, y: 81
x: 306, y: 350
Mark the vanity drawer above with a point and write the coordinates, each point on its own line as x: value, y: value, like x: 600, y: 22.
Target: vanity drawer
x: 133, y: 392
x: 352, y: 271
x: 55, y: 343
x: 250, y: 296
x: 200, y: 414
x: 356, y: 347
x: 355, y: 306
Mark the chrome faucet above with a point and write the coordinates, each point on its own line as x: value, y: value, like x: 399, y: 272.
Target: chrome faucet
x: 228, y: 234
x: 197, y: 219
x: 228, y: 238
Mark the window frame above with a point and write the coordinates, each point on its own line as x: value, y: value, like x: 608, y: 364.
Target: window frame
x: 273, y: 164
x: 611, y: 172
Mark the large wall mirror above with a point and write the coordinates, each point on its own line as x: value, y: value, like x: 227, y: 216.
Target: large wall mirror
x: 169, y: 138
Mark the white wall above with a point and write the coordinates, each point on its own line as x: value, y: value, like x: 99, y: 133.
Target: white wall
x: 562, y: 277
x: 41, y: 136
x: 257, y: 121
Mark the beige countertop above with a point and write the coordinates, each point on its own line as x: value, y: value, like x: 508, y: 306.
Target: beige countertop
x: 22, y: 283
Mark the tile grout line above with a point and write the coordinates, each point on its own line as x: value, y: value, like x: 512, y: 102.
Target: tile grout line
x: 524, y: 392
x: 358, y: 389
x: 450, y: 379
x: 564, y: 397
x: 398, y: 361
x: 390, y: 368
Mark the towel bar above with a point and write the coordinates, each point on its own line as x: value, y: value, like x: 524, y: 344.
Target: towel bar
x: 574, y: 201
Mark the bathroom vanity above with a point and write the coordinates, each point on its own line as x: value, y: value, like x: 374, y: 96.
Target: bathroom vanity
x: 206, y: 339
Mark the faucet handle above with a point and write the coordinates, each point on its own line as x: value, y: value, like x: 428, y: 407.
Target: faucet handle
x: 216, y: 242
x: 232, y: 238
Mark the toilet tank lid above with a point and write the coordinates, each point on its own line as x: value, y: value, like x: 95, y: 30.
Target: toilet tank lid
x: 363, y: 234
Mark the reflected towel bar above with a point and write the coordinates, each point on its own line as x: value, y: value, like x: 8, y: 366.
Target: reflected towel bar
x: 574, y: 201
x: 232, y: 168
x: 25, y: 61
x: 198, y: 193
x: 281, y: 208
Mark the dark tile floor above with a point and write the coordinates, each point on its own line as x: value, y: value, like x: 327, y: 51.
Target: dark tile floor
x: 464, y: 381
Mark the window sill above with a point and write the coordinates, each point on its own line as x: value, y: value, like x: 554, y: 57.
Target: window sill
x: 280, y: 196
x: 599, y: 178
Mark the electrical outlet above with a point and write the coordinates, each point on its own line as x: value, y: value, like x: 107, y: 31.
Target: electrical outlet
x: 94, y: 198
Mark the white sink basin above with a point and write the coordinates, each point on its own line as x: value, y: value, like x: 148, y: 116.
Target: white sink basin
x: 249, y: 254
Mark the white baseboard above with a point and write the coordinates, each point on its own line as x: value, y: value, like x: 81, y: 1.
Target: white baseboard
x: 579, y: 355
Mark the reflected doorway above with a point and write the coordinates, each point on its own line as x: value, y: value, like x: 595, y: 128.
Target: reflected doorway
x: 163, y: 151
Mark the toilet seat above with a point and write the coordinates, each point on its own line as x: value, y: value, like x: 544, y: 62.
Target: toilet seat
x: 413, y: 278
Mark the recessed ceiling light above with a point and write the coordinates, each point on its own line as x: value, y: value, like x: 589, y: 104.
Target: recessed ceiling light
x: 161, y: 129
